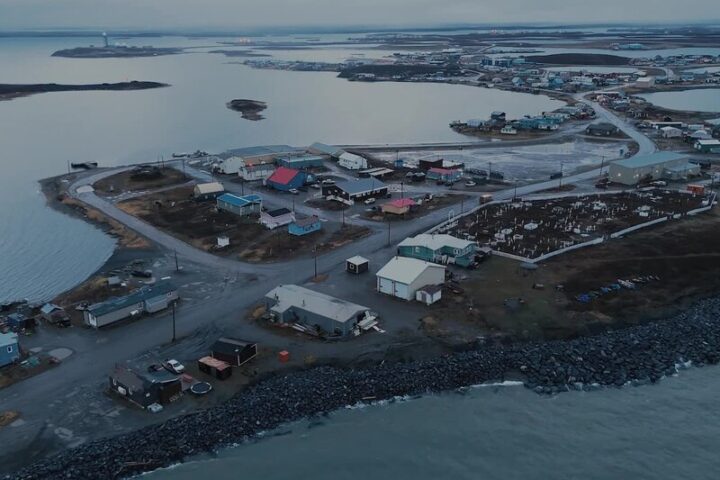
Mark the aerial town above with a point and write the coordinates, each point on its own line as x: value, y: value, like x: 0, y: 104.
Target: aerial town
x: 236, y: 266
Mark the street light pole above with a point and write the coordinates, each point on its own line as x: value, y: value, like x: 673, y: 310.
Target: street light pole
x: 173, y: 318
x: 315, y: 258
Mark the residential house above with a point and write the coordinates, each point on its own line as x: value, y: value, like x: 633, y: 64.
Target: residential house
x: 399, y: 206
x: 304, y: 226
x: 145, y: 388
x: 439, y: 248
x: 148, y: 299
x: 54, y: 314
x: 208, y: 191
x: 285, y: 179
x: 402, y: 277
x: 246, y: 205
x: 279, y: 217
x: 9, y: 348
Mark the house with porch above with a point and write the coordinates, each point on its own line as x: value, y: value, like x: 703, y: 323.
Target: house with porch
x: 439, y: 248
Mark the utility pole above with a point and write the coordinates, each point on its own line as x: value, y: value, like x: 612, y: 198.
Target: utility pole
x: 462, y: 205
x: 602, y: 164
x: 561, y: 175
x: 173, y: 317
x: 402, y: 189
x: 177, y: 267
x: 315, y: 258
x: 388, y: 240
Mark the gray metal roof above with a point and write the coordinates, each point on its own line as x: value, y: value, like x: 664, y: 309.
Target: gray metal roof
x: 294, y: 296
x: 355, y: 187
x: 140, y: 295
x: 649, y: 160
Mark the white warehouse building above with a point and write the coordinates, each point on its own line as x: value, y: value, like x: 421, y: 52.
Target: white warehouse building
x: 668, y: 165
x: 402, y: 277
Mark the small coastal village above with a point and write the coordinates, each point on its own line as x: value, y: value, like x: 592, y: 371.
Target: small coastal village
x: 245, y: 267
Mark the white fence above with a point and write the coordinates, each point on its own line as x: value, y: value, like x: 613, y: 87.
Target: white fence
x: 638, y: 227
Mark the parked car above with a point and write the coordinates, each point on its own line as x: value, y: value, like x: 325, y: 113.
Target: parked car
x: 369, y: 201
x: 470, y: 183
x: 294, y: 191
x: 174, y: 366
x: 316, y: 186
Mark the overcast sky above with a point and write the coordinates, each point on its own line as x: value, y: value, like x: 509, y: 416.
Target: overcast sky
x: 259, y: 13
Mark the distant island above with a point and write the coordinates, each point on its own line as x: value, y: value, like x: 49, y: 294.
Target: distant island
x: 250, y: 109
x: 115, y: 51
x: 9, y: 91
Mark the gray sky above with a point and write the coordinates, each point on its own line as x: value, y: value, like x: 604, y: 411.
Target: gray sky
x: 253, y: 13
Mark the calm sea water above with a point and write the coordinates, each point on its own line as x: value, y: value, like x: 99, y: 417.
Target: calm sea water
x: 667, y: 431
x: 701, y: 100
x: 43, y: 252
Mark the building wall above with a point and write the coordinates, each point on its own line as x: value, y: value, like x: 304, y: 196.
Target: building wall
x: 9, y: 354
x: 248, y: 209
x: 111, y: 317
x: 632, y: 175
x: 396, y: 289
x: 297, y: 314
x: 431, y: 276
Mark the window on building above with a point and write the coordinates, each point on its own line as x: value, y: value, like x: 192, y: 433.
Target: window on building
x: 10, y: 349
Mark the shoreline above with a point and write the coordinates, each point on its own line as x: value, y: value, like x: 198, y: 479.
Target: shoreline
x: 637, y: 355
x: 11, y: 91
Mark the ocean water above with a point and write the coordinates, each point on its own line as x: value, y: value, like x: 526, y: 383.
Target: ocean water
x: 700, y: 100
x: 664, y: 431
x: 43, y: 252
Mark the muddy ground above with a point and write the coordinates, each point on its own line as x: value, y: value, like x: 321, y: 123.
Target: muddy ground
x: 128, y: 181
x: 200, y: 224
x: 685, y: 255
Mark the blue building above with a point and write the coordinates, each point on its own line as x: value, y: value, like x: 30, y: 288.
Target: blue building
x: 286, y: 179
x: 304, y: 226
x: 9, y: 349
x: 246, y: 205
x: 301, y: 162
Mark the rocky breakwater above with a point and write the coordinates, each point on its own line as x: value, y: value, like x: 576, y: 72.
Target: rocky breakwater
x: 638, y: 354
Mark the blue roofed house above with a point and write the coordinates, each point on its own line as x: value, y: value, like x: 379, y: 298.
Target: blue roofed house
x: 305, y: 225
x: 439, y: 248
x: 9, y: 348
x: 246, y: 205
